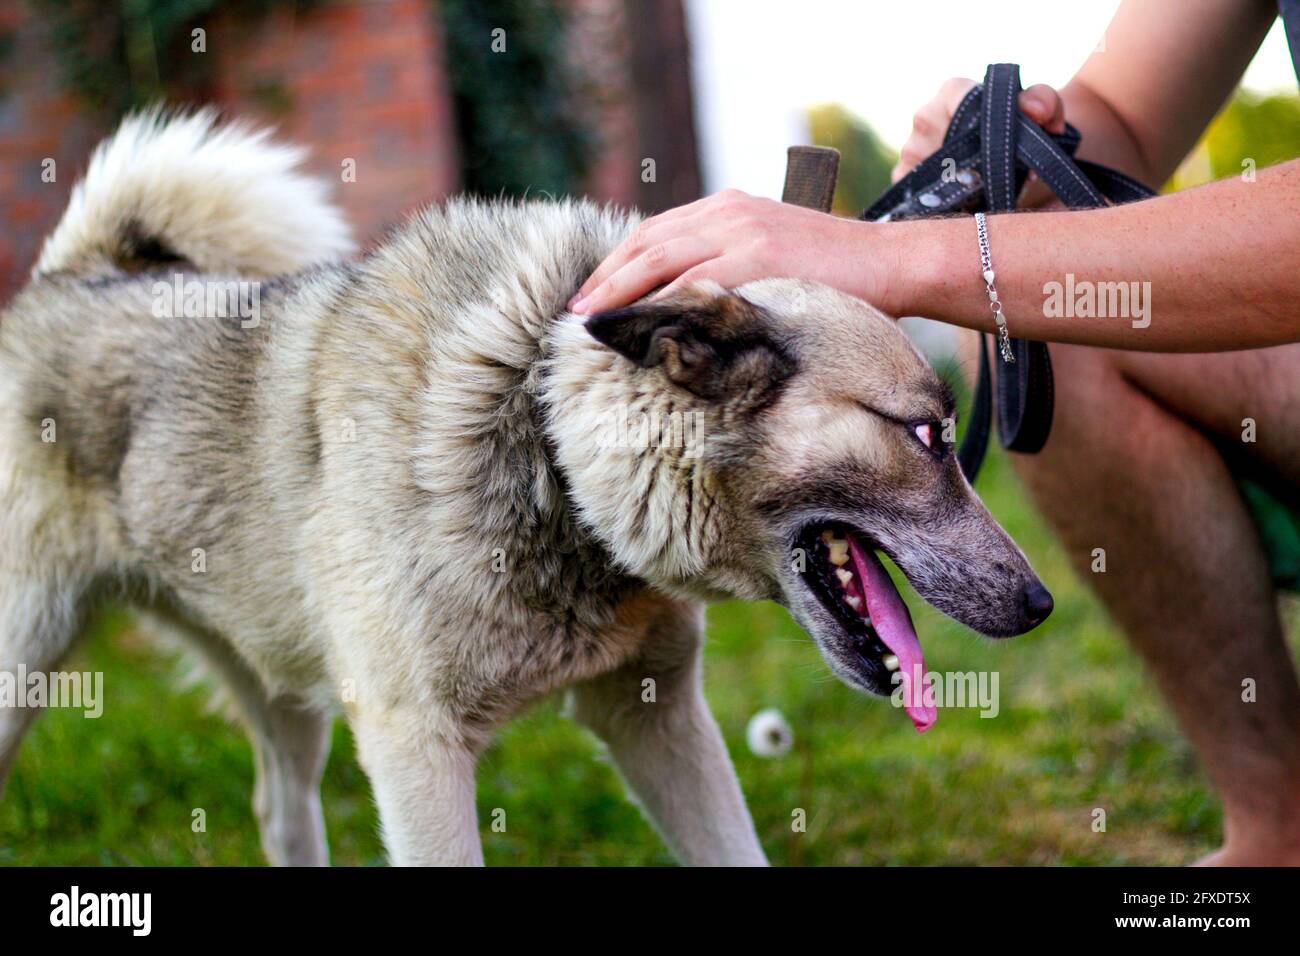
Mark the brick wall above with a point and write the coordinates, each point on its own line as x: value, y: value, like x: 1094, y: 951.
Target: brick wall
x: 37, y: 122
x: 354, y: 79
x: 363, y: 81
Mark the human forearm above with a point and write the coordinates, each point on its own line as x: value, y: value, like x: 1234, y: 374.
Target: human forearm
x: 1201, y: 270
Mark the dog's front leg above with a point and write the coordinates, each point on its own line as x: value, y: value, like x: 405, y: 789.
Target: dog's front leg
x: 666, y: 744
x: 422, y: 775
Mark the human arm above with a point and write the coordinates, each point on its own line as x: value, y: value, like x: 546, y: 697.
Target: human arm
x: 1209, y: 269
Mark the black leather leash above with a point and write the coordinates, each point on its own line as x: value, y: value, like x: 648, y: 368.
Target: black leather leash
x: 987, y: 154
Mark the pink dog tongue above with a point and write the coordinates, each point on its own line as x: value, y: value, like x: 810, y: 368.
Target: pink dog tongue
x: 893, y: 623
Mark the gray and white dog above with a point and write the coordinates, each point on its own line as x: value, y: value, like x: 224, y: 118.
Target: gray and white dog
x: 406, y: 485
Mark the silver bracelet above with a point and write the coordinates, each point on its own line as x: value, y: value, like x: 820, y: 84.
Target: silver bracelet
x: 986, y: 261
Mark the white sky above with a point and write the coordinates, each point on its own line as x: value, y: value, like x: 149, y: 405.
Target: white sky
x: 759, y: 63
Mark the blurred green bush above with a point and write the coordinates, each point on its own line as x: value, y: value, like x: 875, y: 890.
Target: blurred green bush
x: 520, y: 129
x: 1253, y: 131
x: 865, y: 159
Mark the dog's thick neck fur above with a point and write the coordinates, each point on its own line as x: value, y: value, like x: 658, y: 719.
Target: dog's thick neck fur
x: 508, y: 374
x: 650, y: 503
x: 557, y: 390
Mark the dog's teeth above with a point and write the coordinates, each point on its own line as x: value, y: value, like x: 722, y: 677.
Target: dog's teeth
x: 890, y: 661
x: 839, y: 552
x: 844, y: 576
x: 828, y: 536
x: 853, y: 602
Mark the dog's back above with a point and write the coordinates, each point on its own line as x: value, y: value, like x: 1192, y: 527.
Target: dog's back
x: 155, y: 442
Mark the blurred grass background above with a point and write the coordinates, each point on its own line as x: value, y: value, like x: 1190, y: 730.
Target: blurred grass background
x: 1080, y: 728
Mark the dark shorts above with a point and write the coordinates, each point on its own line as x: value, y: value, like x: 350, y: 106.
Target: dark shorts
x: 1279, y: 531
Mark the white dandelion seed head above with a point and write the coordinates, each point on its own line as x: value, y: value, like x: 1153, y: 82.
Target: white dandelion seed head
x: 769, y: 734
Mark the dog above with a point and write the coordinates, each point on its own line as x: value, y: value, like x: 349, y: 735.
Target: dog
x: 389, y: 484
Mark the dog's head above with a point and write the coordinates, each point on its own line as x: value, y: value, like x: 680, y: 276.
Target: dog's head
x: 821, y: 438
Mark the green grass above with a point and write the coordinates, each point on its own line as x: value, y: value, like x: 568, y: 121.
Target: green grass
x: 1080, y: 728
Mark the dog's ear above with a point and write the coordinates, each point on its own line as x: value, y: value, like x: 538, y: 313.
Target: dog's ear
x: 711, y: 342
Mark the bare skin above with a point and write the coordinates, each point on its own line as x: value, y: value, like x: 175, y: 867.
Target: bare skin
x: 1131, y: 465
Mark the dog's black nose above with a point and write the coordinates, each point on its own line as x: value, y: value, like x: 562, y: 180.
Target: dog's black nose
x: 1038, y: 604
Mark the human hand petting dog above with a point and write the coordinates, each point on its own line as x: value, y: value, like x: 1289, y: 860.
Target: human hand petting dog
x: 732, y: 238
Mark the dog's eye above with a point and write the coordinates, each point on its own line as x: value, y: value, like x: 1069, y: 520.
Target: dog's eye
x: 930, y: 434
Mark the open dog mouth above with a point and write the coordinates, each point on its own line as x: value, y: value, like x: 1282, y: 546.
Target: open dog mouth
x: 842, y: 570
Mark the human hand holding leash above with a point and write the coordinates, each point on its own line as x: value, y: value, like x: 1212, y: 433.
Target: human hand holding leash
x: 1040, y: 103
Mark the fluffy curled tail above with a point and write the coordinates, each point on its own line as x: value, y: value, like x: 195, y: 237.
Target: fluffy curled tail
x: 180, y: 188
